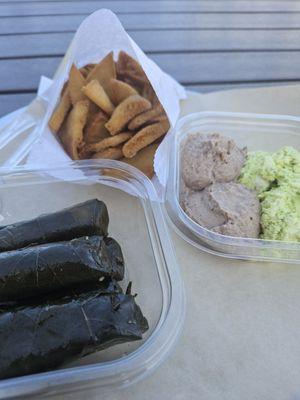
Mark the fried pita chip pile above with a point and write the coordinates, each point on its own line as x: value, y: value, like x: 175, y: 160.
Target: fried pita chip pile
x: 110, y: 110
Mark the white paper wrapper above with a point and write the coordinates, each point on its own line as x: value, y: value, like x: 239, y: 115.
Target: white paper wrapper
x: 99, y: 34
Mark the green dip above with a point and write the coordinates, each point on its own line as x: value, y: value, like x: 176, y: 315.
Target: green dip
x: 276, y: 178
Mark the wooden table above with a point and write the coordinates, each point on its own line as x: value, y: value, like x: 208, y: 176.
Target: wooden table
x: 205, y: 44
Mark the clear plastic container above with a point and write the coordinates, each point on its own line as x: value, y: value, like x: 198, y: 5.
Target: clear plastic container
x: 257, y: 132
x: 139, y: 226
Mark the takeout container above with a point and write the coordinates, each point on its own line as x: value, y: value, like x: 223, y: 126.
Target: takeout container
x: 139, y: 226
x: 257, y: 132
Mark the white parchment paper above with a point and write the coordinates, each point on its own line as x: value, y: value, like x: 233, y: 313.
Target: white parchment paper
x: 99, y: 34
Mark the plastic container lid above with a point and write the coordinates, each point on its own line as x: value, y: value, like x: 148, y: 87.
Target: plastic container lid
x: 257, y: 132
x: 139, y: 226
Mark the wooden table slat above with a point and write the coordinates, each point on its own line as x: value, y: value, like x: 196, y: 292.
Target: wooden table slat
x: 11, y: 102
x: 15, y: 25
x: 74, y: 7
x: 159, y: 41
x: 24, y: 74
x: 206, y: 88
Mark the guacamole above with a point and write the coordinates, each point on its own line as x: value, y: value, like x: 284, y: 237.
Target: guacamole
x: 280, y: 213
x: 259, y: 171
x: 276, y: 178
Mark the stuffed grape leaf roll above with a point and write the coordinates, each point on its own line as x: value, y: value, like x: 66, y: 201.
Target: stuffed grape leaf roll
x: 116, y: 255
x: 43, y: 337
x: 105, y: 286
x: 85, y: 219
x: 37, y: 270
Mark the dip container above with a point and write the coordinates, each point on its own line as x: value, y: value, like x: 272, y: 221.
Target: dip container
x: 138, y: 224
x: 257, y: 132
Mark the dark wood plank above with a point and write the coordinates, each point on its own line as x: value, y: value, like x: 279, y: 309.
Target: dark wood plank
x: 231, y: 67
x: 11, y: 102
x: 49, y: 44
x: 13, y: 25
x: 24, y: 74
x: 85, y: 7
x: 207, y: 88
x: 40, y: 24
